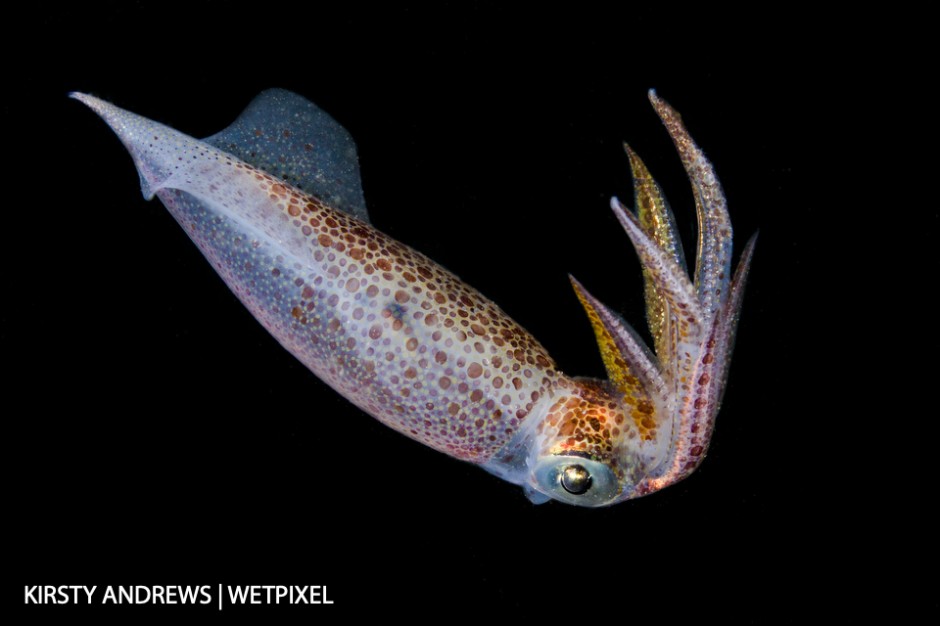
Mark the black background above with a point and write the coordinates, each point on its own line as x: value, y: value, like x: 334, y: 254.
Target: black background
x: 157, y: 435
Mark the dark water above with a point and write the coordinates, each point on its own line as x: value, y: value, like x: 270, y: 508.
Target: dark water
x: 157, y: 436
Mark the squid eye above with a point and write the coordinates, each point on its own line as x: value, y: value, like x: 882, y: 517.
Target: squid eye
x: 576, y: 480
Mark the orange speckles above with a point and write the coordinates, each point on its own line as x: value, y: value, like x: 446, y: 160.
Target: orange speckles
x: 369, y: 317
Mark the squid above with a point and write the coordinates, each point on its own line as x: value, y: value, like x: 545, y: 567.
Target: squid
x: 274, y: 202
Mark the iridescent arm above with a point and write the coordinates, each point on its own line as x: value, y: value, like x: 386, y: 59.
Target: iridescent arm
x: 275, y: 204
x: 697, y: 362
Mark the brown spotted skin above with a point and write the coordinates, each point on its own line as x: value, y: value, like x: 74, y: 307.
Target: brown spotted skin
x: 428, y: 355
x: 395, y: 333
x: 589, y: 421
x: 392, y: 331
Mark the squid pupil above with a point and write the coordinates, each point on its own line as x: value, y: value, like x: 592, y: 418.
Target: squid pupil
x: 576, y: 480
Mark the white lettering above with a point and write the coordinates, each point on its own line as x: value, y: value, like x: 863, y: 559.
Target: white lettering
x: 50, y: 594
x: 189, y: 594
x: 278, y: 594
x: 322, y: 590
x: 238, y: 595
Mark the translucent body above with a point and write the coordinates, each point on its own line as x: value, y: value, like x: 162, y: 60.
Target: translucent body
x: 275, y: 204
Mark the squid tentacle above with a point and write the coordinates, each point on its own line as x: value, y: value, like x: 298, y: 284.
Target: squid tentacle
x: 713, y: 258
x: 275, y: 204
x: 629, y: 363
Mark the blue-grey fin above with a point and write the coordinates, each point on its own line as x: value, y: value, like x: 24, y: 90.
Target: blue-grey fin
x: 291, y: 138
